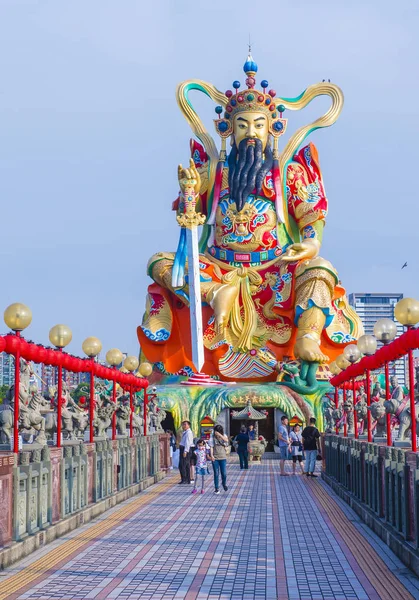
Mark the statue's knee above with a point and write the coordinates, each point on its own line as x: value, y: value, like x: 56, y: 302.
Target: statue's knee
x: 315, y: 263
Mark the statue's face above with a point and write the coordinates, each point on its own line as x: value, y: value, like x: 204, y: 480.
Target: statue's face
x: 248, y: 125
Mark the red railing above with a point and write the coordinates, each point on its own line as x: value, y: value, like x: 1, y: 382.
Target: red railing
x: 400, y: 347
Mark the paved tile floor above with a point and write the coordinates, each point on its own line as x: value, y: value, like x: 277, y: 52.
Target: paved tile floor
x: 268, y: 537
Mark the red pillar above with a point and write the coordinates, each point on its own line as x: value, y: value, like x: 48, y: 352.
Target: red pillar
x: 145, y: 410
x: 337, y: 404
x: 114, y: 414
x: 345, y: 425
x: 92, y: 402
x: 16, y: 407
x: 388, y: 395
x: 131, y: 415
x: 368, y: 384
x: 412, y: 399
x: 355, y: 415
x: 59, y: 403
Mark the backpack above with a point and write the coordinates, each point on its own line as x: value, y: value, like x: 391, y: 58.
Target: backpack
x: 311, y: 438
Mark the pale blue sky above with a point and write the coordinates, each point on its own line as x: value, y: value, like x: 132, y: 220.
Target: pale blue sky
x: 90, y: 138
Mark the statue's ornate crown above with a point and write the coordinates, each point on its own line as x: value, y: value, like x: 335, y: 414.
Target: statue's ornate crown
x: 250, y: 99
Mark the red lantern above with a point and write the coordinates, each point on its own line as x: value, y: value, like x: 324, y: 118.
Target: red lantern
x: 406, y: 342
x: 12, y: 343
x: 2, y: 344
x: 84, y: 365
x: 415, y: 337
x: 66, y: 360
x: 32, y: 352
x: 87, y: 365
x: 50, y: 358
x: 386, y: 353
x: 24, y: 348
x: 59, y: 359
x: 41, y: 355
x: 74, y: 364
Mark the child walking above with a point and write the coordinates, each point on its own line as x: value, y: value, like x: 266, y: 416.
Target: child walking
x: 202, y: 456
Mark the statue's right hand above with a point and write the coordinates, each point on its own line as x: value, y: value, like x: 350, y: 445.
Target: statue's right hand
x: 189, y: 178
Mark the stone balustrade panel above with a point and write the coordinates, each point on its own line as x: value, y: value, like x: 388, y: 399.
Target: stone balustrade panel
x: 383, y: 479
x: 41, y: 486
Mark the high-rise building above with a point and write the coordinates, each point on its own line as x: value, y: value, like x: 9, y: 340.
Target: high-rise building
x: 7, y: 369
x: 49, y: 377
x: 374, y: 306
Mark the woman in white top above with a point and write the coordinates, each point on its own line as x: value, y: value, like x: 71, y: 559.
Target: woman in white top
x: 296, y: 448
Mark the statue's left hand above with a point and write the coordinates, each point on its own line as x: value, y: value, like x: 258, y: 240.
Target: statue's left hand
x: 306, y: 250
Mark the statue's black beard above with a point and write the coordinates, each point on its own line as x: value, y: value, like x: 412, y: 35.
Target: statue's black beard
x: 247, y: 169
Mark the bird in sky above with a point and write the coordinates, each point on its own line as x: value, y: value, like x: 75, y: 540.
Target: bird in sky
x: 405, y: 265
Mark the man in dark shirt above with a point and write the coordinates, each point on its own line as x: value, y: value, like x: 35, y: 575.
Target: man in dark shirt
x: 242, y: 440
x: 311, y: 437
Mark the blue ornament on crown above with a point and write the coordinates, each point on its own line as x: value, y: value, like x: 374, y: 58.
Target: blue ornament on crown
x: 250, y: 99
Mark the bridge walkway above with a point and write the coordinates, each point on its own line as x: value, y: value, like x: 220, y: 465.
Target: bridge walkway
x: 267, y: 537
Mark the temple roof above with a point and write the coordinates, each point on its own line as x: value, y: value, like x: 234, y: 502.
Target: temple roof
x: 248, y: 413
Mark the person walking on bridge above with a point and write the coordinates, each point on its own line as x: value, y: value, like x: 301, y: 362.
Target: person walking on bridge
x: 242, y: 439
x: 311, y: 441
x: 218, y: 444
x: 284, y: 444
x: 185, y: 454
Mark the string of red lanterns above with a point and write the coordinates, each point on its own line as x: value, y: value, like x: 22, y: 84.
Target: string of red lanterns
x: 406, y: 312
x: 38, y: 353
x: 393, y: 351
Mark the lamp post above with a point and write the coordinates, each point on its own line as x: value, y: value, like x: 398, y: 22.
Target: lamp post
x: 60, y: 336
x: 352, y: 354
x: 407, y: 313
x: 337, y: 406
x: 91, y: 347
x: 345, y: 424
x: 114, y: 357
x: 145, y: 370
x: 385, y: 330
x: 131, y: 364
x: 367, y: 344
x: 342, y: 363
x: 17, y: 317
x: 335, y: 370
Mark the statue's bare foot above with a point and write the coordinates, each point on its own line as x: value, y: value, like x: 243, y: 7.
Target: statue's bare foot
x: 309, y: 350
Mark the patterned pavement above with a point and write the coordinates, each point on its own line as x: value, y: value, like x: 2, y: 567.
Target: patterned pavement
x: 268, y: 537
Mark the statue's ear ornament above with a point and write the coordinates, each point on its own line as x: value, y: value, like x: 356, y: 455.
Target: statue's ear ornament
x: 277, y: 127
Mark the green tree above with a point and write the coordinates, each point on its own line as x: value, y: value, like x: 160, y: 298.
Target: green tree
x: 3, y: 391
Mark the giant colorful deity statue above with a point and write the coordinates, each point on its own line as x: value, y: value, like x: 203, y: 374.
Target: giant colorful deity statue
x: 267, y: 295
